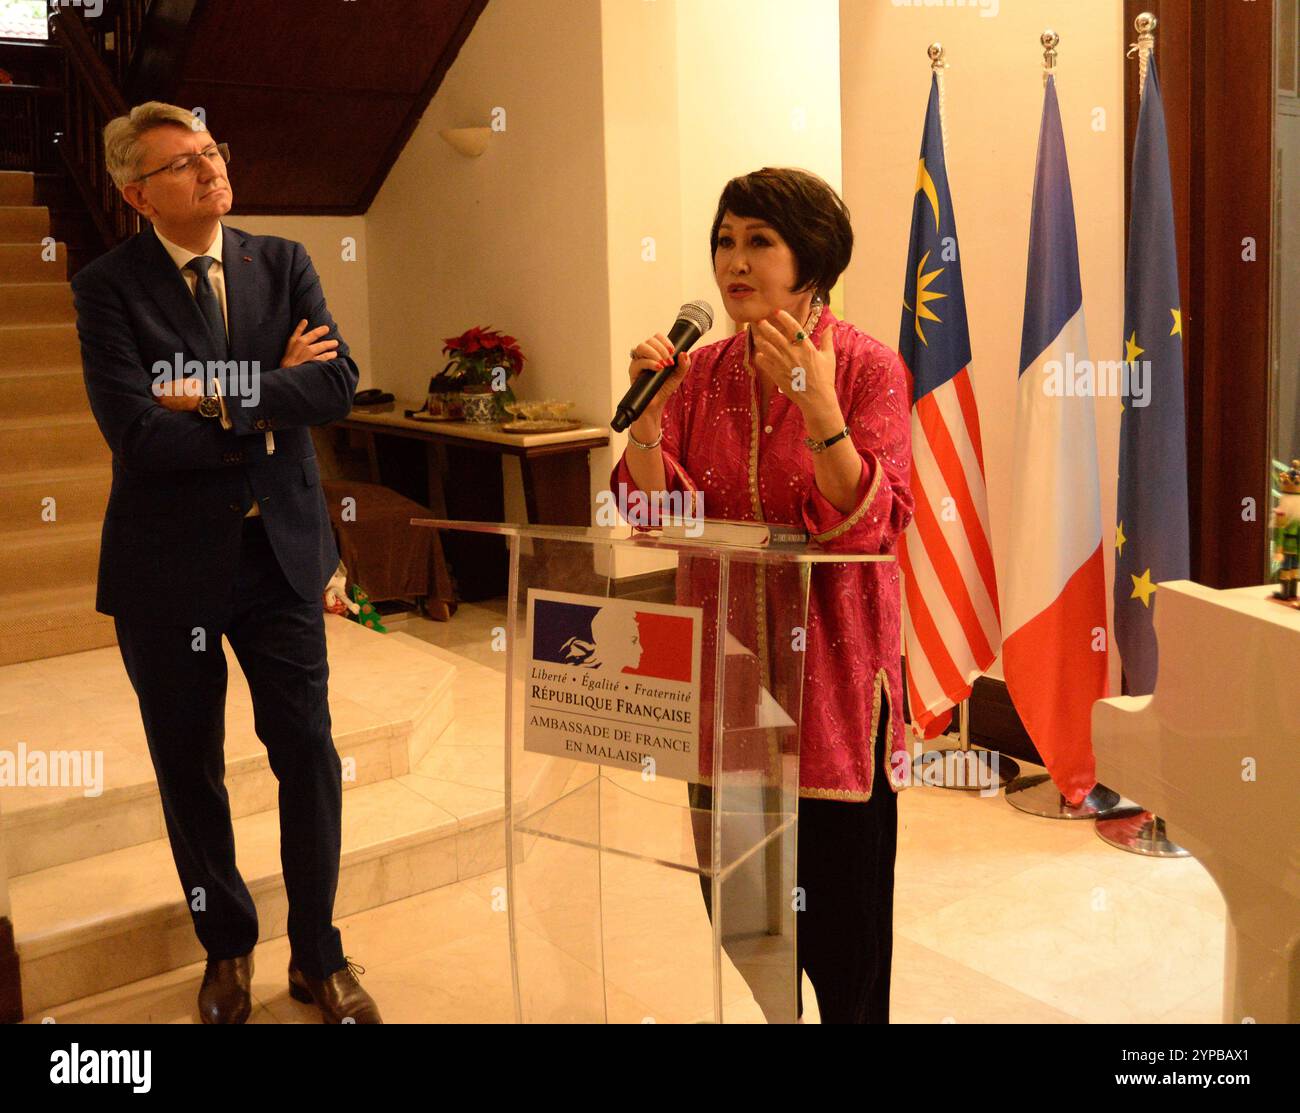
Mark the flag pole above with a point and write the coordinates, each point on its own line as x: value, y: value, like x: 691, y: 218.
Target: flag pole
x: 963, y: 769
x: 937, y: 64
x: 1143, y: 833
x: 1036, y: 793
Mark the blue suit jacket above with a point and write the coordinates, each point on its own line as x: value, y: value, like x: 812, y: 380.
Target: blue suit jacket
x: 180, y: 481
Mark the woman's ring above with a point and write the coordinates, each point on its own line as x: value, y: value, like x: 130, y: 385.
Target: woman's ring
x: 632, y: 354
x: 800, y: 336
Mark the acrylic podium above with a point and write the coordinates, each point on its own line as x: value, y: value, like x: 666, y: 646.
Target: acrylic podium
x: 652, y: 775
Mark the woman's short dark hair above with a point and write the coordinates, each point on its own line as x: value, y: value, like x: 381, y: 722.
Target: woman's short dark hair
x: 809, y: 215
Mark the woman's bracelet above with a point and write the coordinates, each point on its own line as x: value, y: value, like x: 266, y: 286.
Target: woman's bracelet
x: 642, y: 445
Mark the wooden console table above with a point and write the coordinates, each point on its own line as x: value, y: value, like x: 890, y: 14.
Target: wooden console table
x: 448, y: 466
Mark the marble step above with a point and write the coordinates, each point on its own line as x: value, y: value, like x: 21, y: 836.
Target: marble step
x: 102, y: 922
x: 83, y: 704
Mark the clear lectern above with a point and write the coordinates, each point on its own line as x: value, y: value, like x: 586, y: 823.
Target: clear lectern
x: 652, y: 774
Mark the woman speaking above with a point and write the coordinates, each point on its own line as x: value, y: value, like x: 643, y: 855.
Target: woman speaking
x: 803, y: 419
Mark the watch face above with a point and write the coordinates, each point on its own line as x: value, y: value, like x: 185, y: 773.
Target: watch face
x: 209, y: 406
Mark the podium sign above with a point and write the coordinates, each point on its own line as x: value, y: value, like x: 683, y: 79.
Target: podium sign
x: 614, y: 682
x: 652, y: 777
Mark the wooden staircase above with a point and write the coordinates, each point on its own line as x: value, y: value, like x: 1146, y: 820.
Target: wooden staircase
x: 54, y: 464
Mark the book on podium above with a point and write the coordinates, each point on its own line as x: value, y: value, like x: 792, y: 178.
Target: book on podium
x: 652, y: 773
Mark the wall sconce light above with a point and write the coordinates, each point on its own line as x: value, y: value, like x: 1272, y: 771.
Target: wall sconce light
x: 470, y: 142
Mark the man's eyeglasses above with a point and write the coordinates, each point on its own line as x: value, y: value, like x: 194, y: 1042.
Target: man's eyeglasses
x: 183, y: 164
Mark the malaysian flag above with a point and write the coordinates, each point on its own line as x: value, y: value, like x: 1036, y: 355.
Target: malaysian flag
x: 953, y: 631
x: 1055, y: 648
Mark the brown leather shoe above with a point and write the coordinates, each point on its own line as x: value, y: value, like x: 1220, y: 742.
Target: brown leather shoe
x: 339, y: 997
x: 224, y: 996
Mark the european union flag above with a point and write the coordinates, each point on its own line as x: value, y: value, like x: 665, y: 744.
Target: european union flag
x: 1151, y: 533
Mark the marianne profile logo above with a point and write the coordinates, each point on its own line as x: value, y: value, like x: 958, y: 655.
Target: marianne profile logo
x: 613, y: 682
x: 613, y: 638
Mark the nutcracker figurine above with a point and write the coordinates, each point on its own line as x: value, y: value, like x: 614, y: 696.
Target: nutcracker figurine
x: 1286, y: 531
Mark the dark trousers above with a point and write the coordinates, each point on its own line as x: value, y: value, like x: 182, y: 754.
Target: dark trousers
x: 180, y: 680
x: 845, y: 931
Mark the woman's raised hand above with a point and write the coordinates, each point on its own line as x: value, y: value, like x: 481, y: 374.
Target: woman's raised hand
x: 804, y: 372
x: 651, y: 355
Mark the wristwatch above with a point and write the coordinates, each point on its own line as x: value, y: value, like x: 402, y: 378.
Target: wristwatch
x: 822, y: 446
x: 209, y: 406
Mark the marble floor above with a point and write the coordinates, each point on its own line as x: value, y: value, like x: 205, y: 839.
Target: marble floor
x: 999, y: 917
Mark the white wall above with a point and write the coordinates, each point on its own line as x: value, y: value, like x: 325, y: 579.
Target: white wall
x: 643, y: 161
x: 757, y: 85
x: 624, y: 118
x: 691, y: 100
x: 514, y: 239
x: 993, y: 107
x: 337, y: 246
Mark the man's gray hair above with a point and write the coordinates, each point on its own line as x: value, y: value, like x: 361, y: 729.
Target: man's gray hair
x: 122, y: 134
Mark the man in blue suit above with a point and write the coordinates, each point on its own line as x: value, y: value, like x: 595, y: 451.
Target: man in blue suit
x: 207, y: 353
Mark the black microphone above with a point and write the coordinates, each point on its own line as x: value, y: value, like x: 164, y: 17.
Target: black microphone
x: 694, y: 319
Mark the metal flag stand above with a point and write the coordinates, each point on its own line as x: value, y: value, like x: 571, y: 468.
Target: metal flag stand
x: 1141, y: 832
x: 1036, y: 794
x: 962, y: 768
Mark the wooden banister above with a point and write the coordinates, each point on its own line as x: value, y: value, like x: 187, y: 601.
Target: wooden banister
x: 30, y: 116
x: 91, y: 98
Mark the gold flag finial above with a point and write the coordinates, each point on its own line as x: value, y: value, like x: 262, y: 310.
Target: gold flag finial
x: 1050, y: 40
x: 937, y: 65
x: 1145, y: 25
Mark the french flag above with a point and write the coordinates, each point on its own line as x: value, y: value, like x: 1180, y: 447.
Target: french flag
x: 1055, y: 641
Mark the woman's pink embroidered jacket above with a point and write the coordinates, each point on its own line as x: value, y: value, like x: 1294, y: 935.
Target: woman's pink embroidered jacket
x: 751, y: 467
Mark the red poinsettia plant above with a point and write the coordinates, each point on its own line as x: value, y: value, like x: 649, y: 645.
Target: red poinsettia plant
x: 477, y: 357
